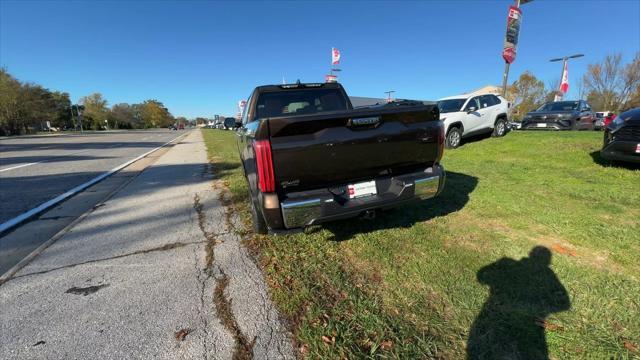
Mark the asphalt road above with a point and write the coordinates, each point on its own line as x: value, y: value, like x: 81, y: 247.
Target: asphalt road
x: 158, y: 271
x: 36, y: 169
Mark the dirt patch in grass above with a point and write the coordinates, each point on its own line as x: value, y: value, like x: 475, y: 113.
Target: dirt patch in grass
x: 535, y: 234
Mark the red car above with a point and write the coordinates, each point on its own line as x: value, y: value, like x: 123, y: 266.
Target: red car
x: 608, y: 118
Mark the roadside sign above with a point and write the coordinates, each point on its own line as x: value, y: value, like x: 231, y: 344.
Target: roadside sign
x: 511, y: 38
x: 330, y: 78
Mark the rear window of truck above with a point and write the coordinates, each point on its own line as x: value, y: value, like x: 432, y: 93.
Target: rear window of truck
x: 299, y: 102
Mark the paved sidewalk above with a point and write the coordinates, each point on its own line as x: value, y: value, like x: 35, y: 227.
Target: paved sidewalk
x: 155, y: 272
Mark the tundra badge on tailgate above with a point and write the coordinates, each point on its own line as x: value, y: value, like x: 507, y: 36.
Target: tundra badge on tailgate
x: 365, y: 121
x: 289, y: 183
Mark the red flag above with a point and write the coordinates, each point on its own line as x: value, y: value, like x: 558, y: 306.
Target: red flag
x: 335, y: 56
x: 564, y: 84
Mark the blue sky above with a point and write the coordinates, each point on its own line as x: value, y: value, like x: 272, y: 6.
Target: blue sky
x: 200, y: 57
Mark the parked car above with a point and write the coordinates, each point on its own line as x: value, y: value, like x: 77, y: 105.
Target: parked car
x: 561, y: 115
x: 622, y: 138
x: 599, y: 123
x: 310, y: 157
x: 608, y: 118
x: 467, y: 115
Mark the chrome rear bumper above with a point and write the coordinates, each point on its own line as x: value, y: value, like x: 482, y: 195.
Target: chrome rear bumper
x: 314, y: 207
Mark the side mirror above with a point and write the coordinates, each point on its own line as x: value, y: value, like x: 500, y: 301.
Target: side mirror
x: 471, y: 109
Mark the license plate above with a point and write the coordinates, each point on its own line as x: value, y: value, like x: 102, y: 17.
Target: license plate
x: 367, y: 188
x: 638, y: 149
x: 542, y: 124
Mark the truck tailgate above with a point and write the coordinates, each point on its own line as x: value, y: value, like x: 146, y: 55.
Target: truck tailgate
x: 322, y: 150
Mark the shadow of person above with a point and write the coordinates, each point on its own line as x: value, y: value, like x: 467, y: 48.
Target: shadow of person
x: 511, y: 324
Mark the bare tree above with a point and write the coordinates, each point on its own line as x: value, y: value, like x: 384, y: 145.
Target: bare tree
x: 551, y: 90
x: 611, y: 82
x: 582, y: 89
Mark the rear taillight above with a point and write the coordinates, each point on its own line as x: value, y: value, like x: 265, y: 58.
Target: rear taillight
x: 264, y: 163
x: 440, y: 143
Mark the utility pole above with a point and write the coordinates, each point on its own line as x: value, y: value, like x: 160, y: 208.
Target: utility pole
x: 564, y: 60
x: 73, y: 122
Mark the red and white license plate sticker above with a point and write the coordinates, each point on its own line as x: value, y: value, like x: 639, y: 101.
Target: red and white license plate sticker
x: 367, y: 188
x: 638, y: 149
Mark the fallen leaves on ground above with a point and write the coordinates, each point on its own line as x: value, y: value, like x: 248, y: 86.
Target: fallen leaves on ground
x: 328, y: 340
x: 386, y: 345
x: 304, y: 350
x: 181, y: 334
x: 548, y: 325
x: 630, y: 346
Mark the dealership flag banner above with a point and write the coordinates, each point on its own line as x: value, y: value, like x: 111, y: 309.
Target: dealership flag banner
x: 513, y: 30
x: 335, y: 56
x: 564, y: 84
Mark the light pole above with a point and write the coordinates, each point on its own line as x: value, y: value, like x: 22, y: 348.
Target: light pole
x: 564, y: 60
x: 389, y: 95
x: 507, y: 64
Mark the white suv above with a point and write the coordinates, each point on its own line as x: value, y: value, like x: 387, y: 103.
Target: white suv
x: 467, y: 115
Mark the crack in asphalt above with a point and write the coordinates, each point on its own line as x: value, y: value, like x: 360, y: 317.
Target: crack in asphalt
x: 244, y: 348
x: 211, y: 238
x: 165, y: 247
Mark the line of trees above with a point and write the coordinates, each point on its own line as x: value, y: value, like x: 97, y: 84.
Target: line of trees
x: 608, y: 85
x: 27, y: 107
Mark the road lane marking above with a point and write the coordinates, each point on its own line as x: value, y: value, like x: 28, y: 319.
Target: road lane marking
x: 19, y: 166
x: 41, y: 161
x: 44, y: 206
x: 59, y: 156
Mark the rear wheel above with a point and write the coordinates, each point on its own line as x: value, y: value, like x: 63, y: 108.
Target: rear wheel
x: 500, y: 129
x: 259, y: 225
x: 575, y: 125
x: 454, y: 137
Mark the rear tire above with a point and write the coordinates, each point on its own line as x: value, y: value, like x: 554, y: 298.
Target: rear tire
x: 575, y: 125
x: 500, y: 128
x: 259, y: 225
x: 454, y: 138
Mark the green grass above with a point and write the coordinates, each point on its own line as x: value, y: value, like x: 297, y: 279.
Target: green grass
x: 414, y: 282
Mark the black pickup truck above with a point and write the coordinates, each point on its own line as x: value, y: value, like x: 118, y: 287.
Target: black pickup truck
x: 310, y: 157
